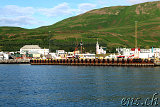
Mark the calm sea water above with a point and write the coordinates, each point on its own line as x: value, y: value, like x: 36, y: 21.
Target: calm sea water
x: 88, y: 86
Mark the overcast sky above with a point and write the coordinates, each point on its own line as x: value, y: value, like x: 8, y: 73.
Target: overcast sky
x: 36, y: 13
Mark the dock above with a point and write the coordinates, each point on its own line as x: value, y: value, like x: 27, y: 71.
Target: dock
x: 15, y: 61
x: 85, y: 62
x: 95, y: 62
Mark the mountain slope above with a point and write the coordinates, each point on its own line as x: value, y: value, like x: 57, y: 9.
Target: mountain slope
x: 113, y: 26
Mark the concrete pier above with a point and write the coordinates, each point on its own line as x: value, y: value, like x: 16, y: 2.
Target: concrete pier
x: 15, y: 61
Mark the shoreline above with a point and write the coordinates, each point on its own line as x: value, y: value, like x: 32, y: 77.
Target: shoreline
x: 85, y: 62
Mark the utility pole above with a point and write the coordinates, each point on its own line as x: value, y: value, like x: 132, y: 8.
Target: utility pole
x: 49, y: 39
x: 136, y: 34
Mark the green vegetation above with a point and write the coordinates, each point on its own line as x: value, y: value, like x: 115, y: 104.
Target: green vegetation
x: 113, y: 26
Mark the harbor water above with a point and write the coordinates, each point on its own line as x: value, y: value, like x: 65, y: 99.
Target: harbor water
x: 75, y: 86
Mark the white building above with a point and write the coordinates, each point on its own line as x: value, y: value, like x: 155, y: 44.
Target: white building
x: 127, y: 52
x: 60, y: 52
x: 156, y: 52
x: 33, y: 49
x: 146, y: 55
x: 111, y: 56
x: 100, y: 50
x: 53, y: 55
x: 86, y: 56
x: 146, y: 51
x: 4, y: 56
x: 139, y: 53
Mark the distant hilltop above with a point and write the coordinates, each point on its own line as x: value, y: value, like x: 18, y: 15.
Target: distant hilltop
x: 112, y: 26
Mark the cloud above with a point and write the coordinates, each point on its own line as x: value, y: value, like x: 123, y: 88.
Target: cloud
x: 64, y: 9
x: 12, y: 15
x: 102, y: 2
x: 84, y: 7
x: 18, y: 21
x: 139, y: 1
x: 13, y: 10
x: 61, y: 9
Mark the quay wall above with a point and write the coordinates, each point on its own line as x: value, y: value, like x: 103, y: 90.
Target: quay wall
x: 85, y: 62
x: 157, y: 62
x: 95, y: 62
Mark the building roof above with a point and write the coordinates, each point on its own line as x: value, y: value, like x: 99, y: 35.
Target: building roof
x: 133, y: 49
x: 31, y: 47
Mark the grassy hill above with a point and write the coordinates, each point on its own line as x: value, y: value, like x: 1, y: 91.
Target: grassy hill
x: 113, y: 26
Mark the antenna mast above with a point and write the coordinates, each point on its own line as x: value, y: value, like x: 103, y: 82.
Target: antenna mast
x: 136, y: 34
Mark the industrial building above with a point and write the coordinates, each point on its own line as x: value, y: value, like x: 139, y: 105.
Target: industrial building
x: 33, y: 49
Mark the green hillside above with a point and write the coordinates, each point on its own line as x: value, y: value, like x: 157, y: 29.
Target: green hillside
x: 113, y: 26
